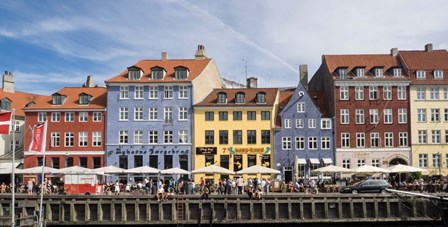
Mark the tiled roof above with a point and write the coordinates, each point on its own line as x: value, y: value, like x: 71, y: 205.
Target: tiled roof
x: 250, y: 97
x: 20, y: 99
x: 424, y: 60
x: 284, y: 97
x: 194, y: 66
x: 98, y: 94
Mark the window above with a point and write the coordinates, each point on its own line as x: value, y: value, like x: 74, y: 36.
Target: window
x: 69, y: 117
x: 180, y: 73
x: 138, y: 160
x: 183, y: 113
x: 97, y: 117
x: 361, y: 162
x: 138, y: 92
x: 379, y: 72
x: 435, y: 160
x: 134, y: 74
x: 359, y: 116
x: 420, y: 74
x: 388, y: 118
x: 360, y: 72
x: 265, y: 136
x: 422, y: 137
x: 397, y: 72
x: 153, y: 137
x: 299, y: 123
x: 82, y: 162
x: 251, y: 137
x: 41, y: 116
x: 325, y: 123
x: 96, y: 139
x: 83, y: 116
x: 300, y: 143
x: 345, y: 117
x: 342, y: 72
x: 157, y: 73
x: 55, y: 163
x: 16, y: 127
x: 403, y: 139
x: 374, y: 118
x: 57, y: 99
x: 237, y: 137
x: 346, y: 163
x: 374, y: 139
x: 434, y: 93
x: 251, y: 115
x: 435, y: 136
x: 123, y: 162
x: 311, y: 123
x: 402, y: 116
x: 401, y: 93
x: 223, y: 137
x: 84, y: 99
x: 222, y: 97
x: 239, y: 97
x: 183, y: 92
x: 265, y: 115
x: 209, y: 137
x: 153, y: 92
x: 312, y: 143
x: 373, y: 93
x: 446, y: 135
x: 423, y: 160
x: 153, y: 113
x: 55, y: 139
x: 435, y: 115
x: 168, y: 115
x: 168, y: 92
x: 55, y: 116
x: 183, y: 136
x: 445, y: 115
x: 209, y: 116
x: 387, y: 93
x: 438, y: 74
x: 69, y: 139
x: 343, y: 93
x: 167, y: 137
x: 360, y: 139
x: 287, y: 123
x: 445, y: 93
x: 223, y: 115
x: 421, y: 115
x: 388, y: 139
x: 123, y: 114
x: 325, y: 143
x: 359, y: 93
x: 138, y: 137
x: 286, y: 143
x: 301, y: 107
x: 83, y: 139
x: 421, y: 93
x: 345, y: 140
x: 124, y: 92
x: 261, y: 97
x: 123, y: 136
x: 237, y: 115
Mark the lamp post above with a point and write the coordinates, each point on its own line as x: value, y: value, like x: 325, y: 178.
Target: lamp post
x: 439, y: 156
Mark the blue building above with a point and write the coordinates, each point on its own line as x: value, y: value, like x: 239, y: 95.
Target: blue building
x: 303, y: 135
x: 150, y: 111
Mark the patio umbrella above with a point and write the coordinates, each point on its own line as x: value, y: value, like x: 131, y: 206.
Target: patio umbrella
x: 256, y: 169
x: 109, y: 169
x: 174, y: 170
x: 333, y: 169
x: 143, y: 170
x: 370, y: 169
x: 75, y: 170
x: 404, y: 169
x: 212, y: 169
x: 37, y: 170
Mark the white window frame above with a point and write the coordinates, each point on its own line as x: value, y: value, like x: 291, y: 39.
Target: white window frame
x: 55, y: 116
x: 375, y: 139
x: 311, y: 123
x: 373, y: 93
x: 360, y: 117
x: 286, y: 143
x: 123, y: 114
x: 360, y: 72
x: 401, y: 93
x: 55, y: 139
x: 343, y: 93
x: 359, y: 93
x: 402, y: 116
x: 168, y: 92
x: 388, y: 139
x: 403, y: 139
x: 345, y: 140
x: 138, y: 113
x: 300, y: 143
x: 123, y: 137
x: 345, y: 116
x: 300, y: 107
x: 379, y: 72
x: 97, y: 139
x: 97, y: 117
x: 300, y: 123
x: 183, y: 136
x: 83, y: 117
x: 360, y: 140
x: 420, y: 74
x: 421, y: 93
x: 153, y: 113
x: 153, y: 92
x: 139, y: 92
x: 69, y: 116
x: 422, y: 136
x: 388, y: 116
x: 287, y: 123
x: 421, y: 115
x: 312, y: 143
x: 153, y: 137
x: 124, y: 92
x: 167, y: 137
x: 435, y: 115
x: 436, y: 137
x: 397, y: 72
x: 374, y: 116
x: 41, y: 116
x: 423, y: 160
x: 69, y: 139
x: 434, y: 93
x: 325, y: 142
x: 83, y: 140
x: 183, y: 113
x: 183, y: 92
x: 438, y: 74
x: 387, y: 92
x: 138, y: 137
x: 325, y: 123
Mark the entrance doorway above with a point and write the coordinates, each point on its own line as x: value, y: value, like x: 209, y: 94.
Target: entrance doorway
x: 287, y: 172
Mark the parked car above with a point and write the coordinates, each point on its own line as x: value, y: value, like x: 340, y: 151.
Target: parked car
x: 379, y: 186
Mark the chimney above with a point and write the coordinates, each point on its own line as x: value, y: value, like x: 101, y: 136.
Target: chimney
x: 164, y: 55
x: 428, y: 47
x: 8, y: 82
x: 200, y: 53
x: 89, y: 81
x: 252, y: 82
x: 303, y: 72
x: 394, y: 52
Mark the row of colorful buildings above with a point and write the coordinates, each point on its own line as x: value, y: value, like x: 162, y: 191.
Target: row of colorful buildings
x: 375, y: 109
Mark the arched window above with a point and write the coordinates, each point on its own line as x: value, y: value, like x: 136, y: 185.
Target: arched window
x: 181, y: 73
x: 261, y: 97
x: 6, y: 104
x: 222, y: 97
x: 239, y: 97
x: 157, y: 73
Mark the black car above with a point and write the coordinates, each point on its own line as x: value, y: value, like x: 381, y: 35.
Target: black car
x: 367, y: 186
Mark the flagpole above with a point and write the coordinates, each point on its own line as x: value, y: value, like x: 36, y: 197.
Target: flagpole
x: 13, y: 169
x: 44, y: 143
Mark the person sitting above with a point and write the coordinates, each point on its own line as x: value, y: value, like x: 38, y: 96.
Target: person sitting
x: 161, y: 193
x: 250, y: 192
x: 205, y: 192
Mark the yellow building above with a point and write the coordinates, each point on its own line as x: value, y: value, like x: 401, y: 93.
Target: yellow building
x: 233, y: 128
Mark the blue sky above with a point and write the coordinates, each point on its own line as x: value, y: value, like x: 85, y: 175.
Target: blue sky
x: 51, y: 44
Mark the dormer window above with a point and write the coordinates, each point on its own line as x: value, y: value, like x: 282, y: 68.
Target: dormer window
x: 360, y: 72
x: 438, y: 74
x: 261, y: 97
x: 397, y: 72
x: 180, y: 73
x: 239, y: 97
x: 157, y: 73
x: 84, y: 99
x: 134, y: 75
x: 6, y: 104
x: 342, y: 73
x: 58, y: 99
x: 378, y: 72
x: 222, y: 97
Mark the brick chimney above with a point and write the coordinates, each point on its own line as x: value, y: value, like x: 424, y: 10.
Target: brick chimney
x: 8, y: 82
x: 394, y: 52
x: 89, y: 81
x: 164, y: 55
x: 200, y: 53
x: 428, y: 47
x: 252, y: 82
x: 303, y: 72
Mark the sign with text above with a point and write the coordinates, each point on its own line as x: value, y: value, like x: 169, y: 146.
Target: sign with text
x: 206, y: 150
x: 237, y: 163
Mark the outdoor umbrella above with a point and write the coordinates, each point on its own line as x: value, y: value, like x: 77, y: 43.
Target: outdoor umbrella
x: 75, y: 170
x: 109, y: 170
x: 404, y: 169
x: 143, y: 170
x: 212, y: 169
x: 333, y: 169
x: 36, y: 170
x: 175, y: 170
x: 256, y: 169
x: 370, y: 169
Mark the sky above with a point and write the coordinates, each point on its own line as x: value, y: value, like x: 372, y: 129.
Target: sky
x: 49, y: 45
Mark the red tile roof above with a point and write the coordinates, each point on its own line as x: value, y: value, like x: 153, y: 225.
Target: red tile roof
x: 250, y: 97
x: 20, y: 99
x: 424, y: 60
x: 194, y: 66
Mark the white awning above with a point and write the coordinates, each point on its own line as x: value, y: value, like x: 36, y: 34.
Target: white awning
x: 301, y: 161
x: 327, y: 160
x: 7, y: 165
x: 314, y: 161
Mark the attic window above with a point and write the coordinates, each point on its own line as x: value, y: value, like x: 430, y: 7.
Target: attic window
x: 397, y: 72
x: 180, y: 73
x: 438, y: 74
x: 84, y: 99
x: 239, y: 97
x: 6, y: 104
x: 134, y: 74
x: 378, y: 72
x: 342, y: 73
x: 157, y: 73
x: 222, y: 97
x: 261, y: 97
x: 420, y: 74
x: 58, y: 99
x: 360, y: 72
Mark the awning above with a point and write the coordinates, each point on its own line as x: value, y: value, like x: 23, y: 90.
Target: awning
x: 327, y: 160
x: 7, y: 165
x: 301, y: 161
x: 314, y: 161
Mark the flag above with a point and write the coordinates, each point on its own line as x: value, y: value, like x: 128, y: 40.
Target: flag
x: 5, y: 122
x: 37, y: 137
